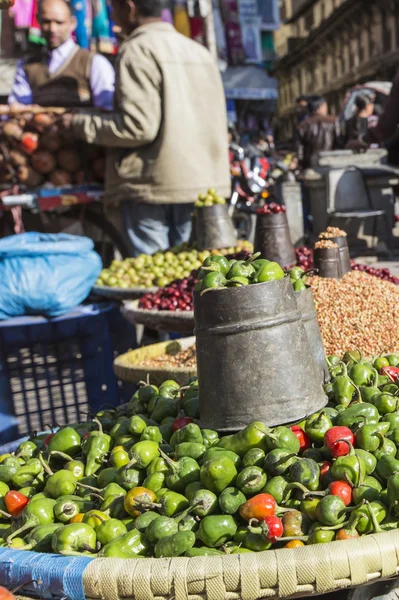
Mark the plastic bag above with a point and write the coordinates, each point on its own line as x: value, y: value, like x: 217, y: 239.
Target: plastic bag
x: 45, y: 274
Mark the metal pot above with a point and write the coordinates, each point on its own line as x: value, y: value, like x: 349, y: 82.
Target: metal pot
x: 327, y: 261
x: 254, y: 360
x: 214, y: 227
x: 273, y: 239
x: 344, y: 258
x: 308, y: 312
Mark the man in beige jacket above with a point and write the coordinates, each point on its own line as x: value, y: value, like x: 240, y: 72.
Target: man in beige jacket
x: 167, y: 138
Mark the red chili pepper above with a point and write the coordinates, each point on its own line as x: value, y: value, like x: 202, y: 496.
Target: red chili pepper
x: 304, y: 440
x: 325, y: 469
x: 391, y: 372
x: 30, y: 142
x: 15, y: 502
x: 259, y: 507
x: 335, y: 439
x: 272, y: 529
x: 86, y: 435
x: 47, y: 439
x: 181, y: 422
x: 341, y: 489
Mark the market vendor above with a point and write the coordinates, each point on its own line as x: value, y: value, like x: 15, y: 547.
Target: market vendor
x: 166, y: 139
x: 63, y: 74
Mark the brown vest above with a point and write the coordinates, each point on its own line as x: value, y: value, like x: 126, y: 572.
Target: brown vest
x: 69, y: 86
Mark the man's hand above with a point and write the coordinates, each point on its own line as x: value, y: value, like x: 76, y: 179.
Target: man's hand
x: 66, y: 120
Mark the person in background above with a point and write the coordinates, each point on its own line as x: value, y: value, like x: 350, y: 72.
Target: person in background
x: 302, y: 109
x: 319, y: 133
x: 357, y: 126
x: 167, y: 136
x: 62, y: 73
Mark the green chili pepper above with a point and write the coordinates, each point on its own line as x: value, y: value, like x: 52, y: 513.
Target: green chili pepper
x: 359, y: 413
x: 251, y: 480
x: 26, y: 450
x: 253, y: 436
x: 119, y: 457
x: 278, y: 462
x: 40, y: 538
x: 270, y: 272
x: 37, y: 512
x: 305, y: 472
x: 142, y: 454
x: 209, y: 437
x: 172, y: 503
x: 204, y: 503
x: 129, y: 477
x: 254, y: 458
x: 143, y: 521
x: 255, y: 542
x: 95, y: 447
x: 131, y: 545
x: 370, y: 461
x: 9, y: 466
x: 369, y: 490
x: 155, y: 481
x: 276, y: 487
x: 69, y: 507
x: 190, y: 449
x: 107, y: 476
x: 216, y: 452
x: 368, y: 438
x: 216, y: 530
x: 30, y: 474
x: 230, y: 500
x: 350, y: 468
x: 217, y: 474
x: 296, y: 523
x: 110, y: 530
x: 386, y: 467
x: 319, y: 536
x: 217, y: 263
x: 317, y: 425
x: 175, y: 545
x: 114, y: 506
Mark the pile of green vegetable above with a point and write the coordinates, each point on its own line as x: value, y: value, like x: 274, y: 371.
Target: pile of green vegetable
x: 146, y: 480
x: 217, y: 272
x: 210, y: 198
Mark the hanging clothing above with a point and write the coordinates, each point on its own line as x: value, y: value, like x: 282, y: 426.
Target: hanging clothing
x: 81, y: 34
x: 23, y: 13
x: 35, y: 34
x: 181, y: 20
x: 101, y: 35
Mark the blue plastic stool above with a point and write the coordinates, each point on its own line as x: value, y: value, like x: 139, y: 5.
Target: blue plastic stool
x: 56, y: 371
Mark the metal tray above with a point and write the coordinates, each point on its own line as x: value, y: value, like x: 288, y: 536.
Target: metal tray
x: 160, y: 320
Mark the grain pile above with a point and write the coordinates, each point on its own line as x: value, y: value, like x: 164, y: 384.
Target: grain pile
x: 184, y: 358
x: 359, y: 311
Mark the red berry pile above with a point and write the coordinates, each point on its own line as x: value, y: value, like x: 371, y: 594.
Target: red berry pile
x: 178, y: 295
x: 271, y: 209
x: 304, y: 257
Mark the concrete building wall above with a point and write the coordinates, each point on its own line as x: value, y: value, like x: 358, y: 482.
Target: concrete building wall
x: 327, y: 46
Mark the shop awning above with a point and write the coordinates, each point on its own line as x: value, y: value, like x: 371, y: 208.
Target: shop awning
x: 249, y: 83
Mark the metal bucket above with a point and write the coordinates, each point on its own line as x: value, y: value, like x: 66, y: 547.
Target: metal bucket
x: 344, y: 258
x: 327, y: 262
x: 214, y: 227
x: 306, y: 307
x: 254, y: 361
x: 273, y: 239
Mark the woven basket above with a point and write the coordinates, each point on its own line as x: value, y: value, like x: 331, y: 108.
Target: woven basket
x: 160, y: 320
x: 127, y: 366
x: 120, y: 294
x: 272, y: 574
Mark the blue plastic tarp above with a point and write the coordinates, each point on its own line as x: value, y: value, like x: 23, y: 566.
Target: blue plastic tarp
x: 45, y: 274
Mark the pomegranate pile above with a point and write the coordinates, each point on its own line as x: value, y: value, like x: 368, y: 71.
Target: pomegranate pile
x: 35, y: 152
x: 271, y: 209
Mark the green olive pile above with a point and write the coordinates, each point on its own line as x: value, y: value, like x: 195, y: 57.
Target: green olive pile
x: 160, y: 269
x: 145, y: 479
x: 217, y: 272
x: 209, y: 199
